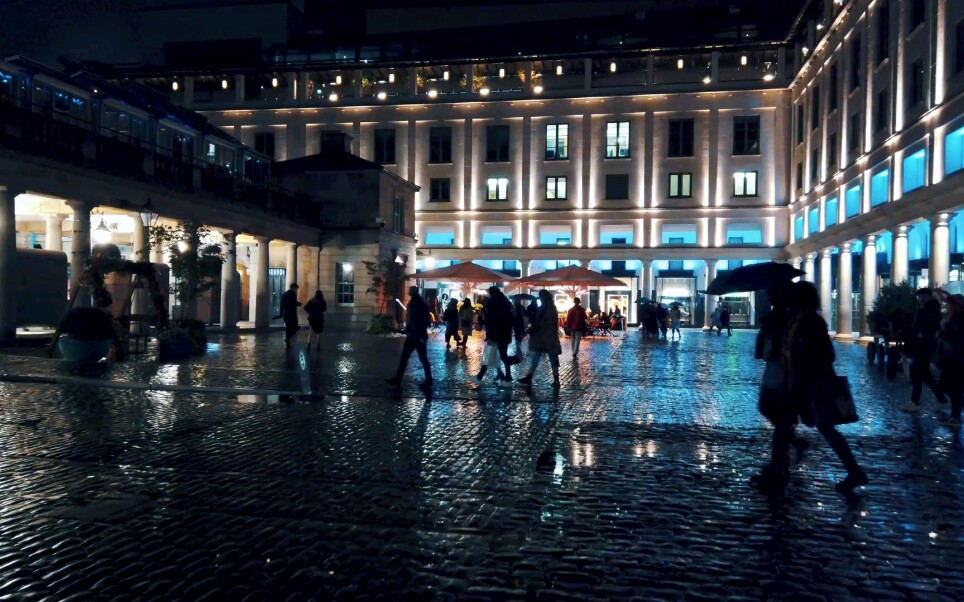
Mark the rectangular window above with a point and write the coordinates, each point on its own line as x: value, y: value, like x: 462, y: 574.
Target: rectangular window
x: 680, y: 138
x: 853, y: 136
x: 440, y: 190
x: 617, y: 187
x: 745, y: 183
x: 496, y: 235
x: 880, y: 188
x: 918, y: 14
x: 497, y: 143
x: 617, y: 140
x: 616, y: 235
x: 678, y: 234
x: 832, y: 153
x: 799, y: 175
x: 881, y: 111
x: 959, y: 48
x: 680, y: 185
x: 440, y: 145
x: 440, y: 236
x: 815, y: 108
x: 497, y: 189
x: 385, y: 146
x: 855, y: 62
x: 798, y: 227
x: 954, y: 151
x: 800, y: 118
x: 555, y: 235
x: 557, y: 141
x: 852, y: 201
x: 746, y: 135
x: 915, y: 83
x: 813, y: 220
x: 814, y: 167
x: 744, y: 234
x: 398, y: 214
x: 830, y: 212
x: 883, y: 32
x: 833, y: 88
x: 915, y: 171
x: 264, y: 143
x: 344, y: 284
x: 556, y: 189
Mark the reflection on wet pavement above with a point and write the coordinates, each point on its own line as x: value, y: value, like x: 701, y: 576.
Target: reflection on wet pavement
x: 629, y: 483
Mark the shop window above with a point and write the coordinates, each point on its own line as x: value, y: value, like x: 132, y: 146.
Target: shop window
x: 616, y: 235
x: 744, y: 234
x: 678, y: 234
x: 497, y: 235
x: 915, y: 171
x: 440, y: 236
x: 798, y: 227
x: 555, y: 235
x: 344, y: 284
x: 813, y: 221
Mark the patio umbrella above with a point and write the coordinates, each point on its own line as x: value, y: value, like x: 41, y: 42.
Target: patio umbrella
x: 463, y: 273
x: 573, y: 275
x: 755, y: 277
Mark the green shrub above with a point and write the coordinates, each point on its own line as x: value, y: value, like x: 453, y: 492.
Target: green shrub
x: 893, y: 312
x: 380, y: 325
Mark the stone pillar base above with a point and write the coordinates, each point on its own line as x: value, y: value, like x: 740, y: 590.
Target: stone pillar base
x: 850, y: 336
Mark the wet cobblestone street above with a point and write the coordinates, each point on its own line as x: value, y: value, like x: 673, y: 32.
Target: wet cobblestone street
x: 362, y: 492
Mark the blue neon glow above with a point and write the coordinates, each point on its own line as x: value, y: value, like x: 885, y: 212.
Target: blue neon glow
x: 678, y: 235
x: 954, y: 151
x: 880, y: 188
x: 852, y: 202
x: 610, y: 237
x: 798, y: 227
x: 440, y: 238
x: 915, y: 171
x: 813, y: 217
x: 830, y: 212
x: 751, y: 234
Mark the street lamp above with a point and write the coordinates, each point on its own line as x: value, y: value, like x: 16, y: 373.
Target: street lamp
x: 102, y: 233
x: 148, y: 217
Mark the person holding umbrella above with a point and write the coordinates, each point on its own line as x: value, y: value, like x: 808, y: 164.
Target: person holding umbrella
x: 950, y: 357
x: 544, y: 339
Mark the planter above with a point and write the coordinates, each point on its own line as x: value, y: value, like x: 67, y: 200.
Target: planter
x: 196, y: 333
x: 82, y: 350
x: 173, y: 350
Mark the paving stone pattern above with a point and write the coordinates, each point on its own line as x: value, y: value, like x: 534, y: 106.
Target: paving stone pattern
x: 628, y: 484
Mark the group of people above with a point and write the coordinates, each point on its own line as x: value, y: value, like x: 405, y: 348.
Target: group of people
x: 315, y: 308
x: 720, y: 319
x: 937, y: 340
x: 503, y: 322
x: 658, y: 321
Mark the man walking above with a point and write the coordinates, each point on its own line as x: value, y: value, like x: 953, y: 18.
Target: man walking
x: 725, y: 322
x: 416, y: 338
x: 927, y: 322
x: 289, y: 313
x: 576, y: 324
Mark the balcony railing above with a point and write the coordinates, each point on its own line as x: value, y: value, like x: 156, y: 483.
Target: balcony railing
x: 88, y: 145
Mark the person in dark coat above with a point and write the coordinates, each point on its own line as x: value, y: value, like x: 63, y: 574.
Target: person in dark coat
x: 927, y: 322
x: 451, y: 319
x: 467, y: 318
x: 416, y: 338
x: 725, y: 322
x: 662, y: 315
x: 950, y: 358
x: 316, y: 308
x: 807, y: 357
x: 544, y: 339
x: 498, y: 328
x: 289, y: 312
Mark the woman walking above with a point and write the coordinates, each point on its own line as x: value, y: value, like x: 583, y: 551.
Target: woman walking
x: 451, y: 319
x: 950, y: 358
x: 316, y: 308
x: 544, y: 339
x: 808, y: 358
x: 675, y: 319
x: 466, y: 317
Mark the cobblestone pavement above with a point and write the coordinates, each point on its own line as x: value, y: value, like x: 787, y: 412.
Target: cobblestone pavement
x: 361, y: 492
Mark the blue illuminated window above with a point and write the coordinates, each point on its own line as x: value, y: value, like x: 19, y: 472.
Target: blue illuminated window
x: 880, y: 188
x: 561, y: 236
x: 954, y: 151
x: 440, y: 237
x: 798, y: 227
x: 852, y: 203
x: 616, y: 235
x: 814, y: 218
x: 678, y: 234
x: 744, y: 234
x: 915, y: 170
x: 497, y: 236
x: 830, y: 212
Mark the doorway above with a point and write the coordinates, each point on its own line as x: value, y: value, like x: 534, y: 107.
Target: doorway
x: 276, y: 287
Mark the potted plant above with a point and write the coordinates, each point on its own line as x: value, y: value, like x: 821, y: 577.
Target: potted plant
x: 387, y: 284
x: 195, y: 268
x: 87, y: 334
x: 891, y: 319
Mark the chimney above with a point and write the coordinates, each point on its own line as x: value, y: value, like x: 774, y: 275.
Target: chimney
x: 336, y: 142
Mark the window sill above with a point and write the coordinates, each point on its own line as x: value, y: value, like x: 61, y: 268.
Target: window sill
x: 913, y: 33
x: 496, y: 200
x: 608, y: 200
x: 556, y: 159
x: 497, y: 160
x: 879, y: 67
x: 554, y: 200
x: 756, y: 154
x: 680, y: 198
x: 618, y: 158
x: 439, y: 201
x: 680, y: 156
x: 449, y: 162
x: 745, y: 196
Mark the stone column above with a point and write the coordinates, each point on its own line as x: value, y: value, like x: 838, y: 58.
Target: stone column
x: 709, y: 303
x: 262, y: 303
x: 868, y: 283
x: 844, y: 292
x: 647, y: 284
x: 291, y: 265
x: 8, y: 251
x: 80, y: 247
x: 825, y: 282
x: 796, y: 262
x: 230, y: 285
x: 898, y: 266
x: 940, y: 250
x: 54, y: 239
x: 808, y: 267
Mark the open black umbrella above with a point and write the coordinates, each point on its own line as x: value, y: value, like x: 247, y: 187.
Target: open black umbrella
x: 755, y: 277
x: 523, y: 297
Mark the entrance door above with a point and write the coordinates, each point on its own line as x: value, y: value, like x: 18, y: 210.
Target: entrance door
x: 276, y: 286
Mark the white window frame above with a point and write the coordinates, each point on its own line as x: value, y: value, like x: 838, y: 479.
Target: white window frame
x: 497, y: 189
x: 746, y: 184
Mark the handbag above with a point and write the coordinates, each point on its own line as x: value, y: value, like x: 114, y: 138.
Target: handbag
x: 490, y: 356
x: 833, y: 402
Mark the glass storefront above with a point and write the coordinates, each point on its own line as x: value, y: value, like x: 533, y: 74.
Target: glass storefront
x: 681, y: 290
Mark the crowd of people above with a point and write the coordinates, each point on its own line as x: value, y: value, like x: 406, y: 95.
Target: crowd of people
x: 657, y: 321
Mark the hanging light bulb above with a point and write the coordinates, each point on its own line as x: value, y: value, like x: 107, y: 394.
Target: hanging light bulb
x: 274, y: 82
x: 224, y: 84
x: 102, y: 234
x: 769, y: 77
x: 679, y: 63
x: 558, y: 69
x: 537, y: 88
x: 433, y: 93
x: 183, y: 247
x: 502, y: 72
x: 483, y: 91
x: 381, y: 95
x: 174, y: 86
x: 743, y: 60
x: 445, y: 75
x: 707, y: 79
x: 612, y: 67
x: 333, y: 97
x: 391, y: 78
x: 338, y: 80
